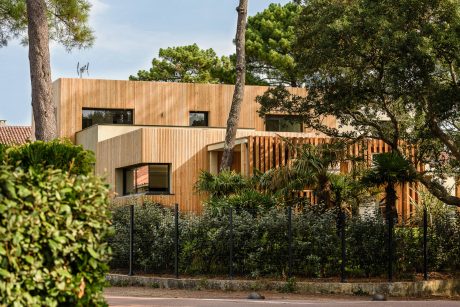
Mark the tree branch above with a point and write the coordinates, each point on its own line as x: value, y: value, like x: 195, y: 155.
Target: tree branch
x: 439, y: 191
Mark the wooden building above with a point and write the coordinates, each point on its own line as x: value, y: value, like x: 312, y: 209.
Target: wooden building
x: 151, y: 139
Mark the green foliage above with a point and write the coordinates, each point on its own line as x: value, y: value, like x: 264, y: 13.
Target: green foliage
x: 261, y: 245
x: 311, y: 168
x: 67, y: 20
x: 151, y: 255
x: 270, y: 37
x: 231, y: 189
x: 56, y: 154
x: 53, y: 231
x: 389, y: 168
x: 389, y: 70
x: 192, y: 64
x: 223, y: 184
x: 3, y: 149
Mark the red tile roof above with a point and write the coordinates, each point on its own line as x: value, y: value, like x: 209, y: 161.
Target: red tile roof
x: 11, y: 135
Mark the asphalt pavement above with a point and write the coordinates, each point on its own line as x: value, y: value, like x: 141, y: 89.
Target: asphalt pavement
x: 133, y: 301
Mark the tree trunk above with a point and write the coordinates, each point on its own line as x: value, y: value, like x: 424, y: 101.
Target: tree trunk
x: 391, y: 198
x: 40, y: 70
x: 238, y: 94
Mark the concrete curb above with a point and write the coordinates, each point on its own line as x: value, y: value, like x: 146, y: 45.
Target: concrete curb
x: 444, y: 288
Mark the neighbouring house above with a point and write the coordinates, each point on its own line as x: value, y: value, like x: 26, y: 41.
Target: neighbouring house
x: 14, y: 135
x: 151, y: 139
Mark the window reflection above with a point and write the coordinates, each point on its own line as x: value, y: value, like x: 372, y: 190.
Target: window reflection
x: 106, y: 116
x: 149, y: 178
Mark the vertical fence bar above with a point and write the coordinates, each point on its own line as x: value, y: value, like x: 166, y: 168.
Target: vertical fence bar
x: 176, y: 240
x: 425, y: 244
x: 289, y: 211
x: 230, y: 260
x: 131, y: 240
x: 343, y: 277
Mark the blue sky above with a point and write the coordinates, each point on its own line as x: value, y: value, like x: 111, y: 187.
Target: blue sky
x: 128, y: 35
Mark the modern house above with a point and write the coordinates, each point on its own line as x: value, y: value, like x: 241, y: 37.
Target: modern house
x: 153, y: 138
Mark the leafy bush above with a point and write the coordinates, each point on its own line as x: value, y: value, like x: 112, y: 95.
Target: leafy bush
x: 3, y: 149
x: 58, y: 154
x: 153, y: 238
x: 228, y: 189
x: 53, y: 231
x: 261, y: 244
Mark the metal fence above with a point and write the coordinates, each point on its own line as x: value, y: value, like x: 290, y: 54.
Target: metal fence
x: 282, y: 242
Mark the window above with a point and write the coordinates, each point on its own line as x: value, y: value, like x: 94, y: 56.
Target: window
x: 106, y: 116
x: 198, y: 119
x: 282, y: 123
x: 148, y: 178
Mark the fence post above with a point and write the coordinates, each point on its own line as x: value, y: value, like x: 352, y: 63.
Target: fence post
x: 176, y: 240
x: 425, y: 244
x: 289, y: 211
x: 343, y: 246
x: 131, y: 240
x: 231, y: 243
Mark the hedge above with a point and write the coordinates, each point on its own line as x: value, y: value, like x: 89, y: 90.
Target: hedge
x: 54, y: 227
x: 261, y: 245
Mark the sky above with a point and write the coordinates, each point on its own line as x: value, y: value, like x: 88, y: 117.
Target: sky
x: 129, y: 35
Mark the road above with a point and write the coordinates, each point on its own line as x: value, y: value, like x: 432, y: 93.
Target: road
x: 133, y: 301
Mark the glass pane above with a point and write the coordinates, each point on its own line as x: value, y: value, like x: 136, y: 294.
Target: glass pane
x: 199, y: 119
x: 272, y: 124
x: 290, y: 126
x: 142, y: 179
x: 129, y: 182
x: 108, y: 116
x: 282, y: 124
x: 159, y: 177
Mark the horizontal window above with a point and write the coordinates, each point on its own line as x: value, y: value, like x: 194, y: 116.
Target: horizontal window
x: 147, y: 178
x: 106, y: 116
x: 198, y: 119
x: 283, y: 123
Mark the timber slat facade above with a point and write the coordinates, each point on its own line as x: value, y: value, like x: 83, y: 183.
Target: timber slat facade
x: 266, y: 152
x: 161, y: 134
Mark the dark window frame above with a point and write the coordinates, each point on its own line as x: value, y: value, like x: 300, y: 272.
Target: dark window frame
x: 149, y: 192
x: 280, y: 117
x: 206, y: 114
x: 106, y: 109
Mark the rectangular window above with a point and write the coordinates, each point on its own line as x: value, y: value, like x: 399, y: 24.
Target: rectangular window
x: 106, y: 116
x: 198, y: 119
x: 283, y: 123
x: 147, y: 178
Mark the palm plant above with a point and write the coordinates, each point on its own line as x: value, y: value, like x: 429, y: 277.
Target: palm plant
x: 231, y: 189
x: 223, y: 184
x: 311, y: 167
x: 388, y: 170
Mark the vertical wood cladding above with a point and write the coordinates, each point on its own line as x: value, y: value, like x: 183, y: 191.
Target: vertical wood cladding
x: 271, y: 151
x: 155, y: 103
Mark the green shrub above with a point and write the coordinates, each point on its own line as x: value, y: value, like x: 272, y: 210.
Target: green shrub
x: 53, y: 231
x: 367, y: 246
x: 261, y: 244
x: 58, y: 154
x: 153, y: 238
x: 3, y: 149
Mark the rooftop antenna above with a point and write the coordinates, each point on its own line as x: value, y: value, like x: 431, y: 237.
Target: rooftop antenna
x: 81, y: 70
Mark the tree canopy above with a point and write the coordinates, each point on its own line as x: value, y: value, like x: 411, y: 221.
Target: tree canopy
x: 386, y: 70
x: 270, y: 37
x: 67, y: 22
x: 35, y: 22
x: 192, y: 64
